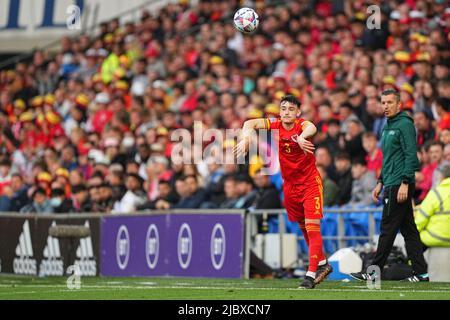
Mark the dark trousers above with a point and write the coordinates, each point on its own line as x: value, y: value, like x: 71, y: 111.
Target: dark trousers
x: 399, y: 216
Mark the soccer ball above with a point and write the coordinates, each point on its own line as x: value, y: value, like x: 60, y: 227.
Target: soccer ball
x: 246, y: 20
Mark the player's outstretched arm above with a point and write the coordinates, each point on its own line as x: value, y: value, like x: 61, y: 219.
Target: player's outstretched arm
x: 308, y: 131
x: 247, y: 130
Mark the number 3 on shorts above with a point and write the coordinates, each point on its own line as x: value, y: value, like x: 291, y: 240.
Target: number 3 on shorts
x: 317, y: 202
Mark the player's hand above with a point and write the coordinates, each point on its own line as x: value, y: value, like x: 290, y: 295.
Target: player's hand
x: 241, y: 148
x: 402, y: 193
x: 306, y: 145
x: 376, y: 192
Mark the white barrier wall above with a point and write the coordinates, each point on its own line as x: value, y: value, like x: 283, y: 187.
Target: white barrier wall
x: 25, y: 24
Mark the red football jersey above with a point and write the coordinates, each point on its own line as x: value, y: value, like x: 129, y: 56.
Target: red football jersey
x: 297, y: 167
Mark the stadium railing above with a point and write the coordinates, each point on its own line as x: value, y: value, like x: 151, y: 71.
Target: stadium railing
x: 341, y: 226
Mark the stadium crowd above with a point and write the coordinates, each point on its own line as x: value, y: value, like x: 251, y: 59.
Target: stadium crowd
x: 87, y: 129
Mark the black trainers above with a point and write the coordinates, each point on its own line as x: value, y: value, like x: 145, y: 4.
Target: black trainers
x: 417, y: 279
x: 323, y: 272
x: 362, y: 276
x: 308, y: 283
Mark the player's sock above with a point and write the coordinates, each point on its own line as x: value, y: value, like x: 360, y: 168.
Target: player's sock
x: 305, y: 233
x: 322, y: 262
x: 315, y: 246
x: 311, y: 274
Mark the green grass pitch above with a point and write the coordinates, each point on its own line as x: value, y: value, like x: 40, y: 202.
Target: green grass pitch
x: 22, y: 287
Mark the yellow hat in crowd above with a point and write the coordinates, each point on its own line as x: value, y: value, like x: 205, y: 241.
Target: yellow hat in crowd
x: 295, y: 92
x: 162, y: 131
x: 256, y: 163
x: 37, y: 101
x: 124, y: 60
x: 120, y: 73
x: 254, y: 113
x: 272, y: 108
x: 52, y: 117
x: 419, y: 38
x: 402, y: 56
x: 229, y: 143
x: 121, y: 85
x: 44, y: 177
x: 62, y: 172
x: 216, y: 60
x: 407, y: 87
x: 108, y: 38
x: 82, y: 100
x: 389, y: 80
x: 26, y: 116
x: 97, y: 77
x: 49, y: 99
x: 423, y: 56
x: 19, y: 104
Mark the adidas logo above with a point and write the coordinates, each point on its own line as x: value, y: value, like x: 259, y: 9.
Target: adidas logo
x: 52, y: 264
x: 24, y: 263
x: 85, y: 256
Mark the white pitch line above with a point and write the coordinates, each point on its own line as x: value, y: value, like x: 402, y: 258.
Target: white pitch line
x: 99, y: 288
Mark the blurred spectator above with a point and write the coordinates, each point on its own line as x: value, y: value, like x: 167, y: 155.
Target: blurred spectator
x: 330, y: 189
x: 40, y: 203
x: 424, y: 178
x: 19, y: 198
x: 59, y: 202
x: 133, y: 197
x: 351, y: 142
x: 331, y: 140
x: 343, y: 177
x: 374, y: 157
x: 81, y: 200
x: 191, y: 195
x: 231, y: 193
x: 364, y: 181
x: 444, y: 136
x: 165, y: 193
x: 106, y: 203
x: 5, y: 174
x: 214, y: 185
x: 267, y: 196
x: 425, y: 130
x: 324, y: 159
x: 246, y: 192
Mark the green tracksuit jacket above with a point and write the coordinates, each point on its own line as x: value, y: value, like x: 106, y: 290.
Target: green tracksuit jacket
x: 398, y: 144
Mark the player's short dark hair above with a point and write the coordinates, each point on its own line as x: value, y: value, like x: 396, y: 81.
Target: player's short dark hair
x: 388, y: 92
x: 291, y: 99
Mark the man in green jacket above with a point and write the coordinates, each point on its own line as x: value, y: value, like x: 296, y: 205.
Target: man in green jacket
x: 398, y: 144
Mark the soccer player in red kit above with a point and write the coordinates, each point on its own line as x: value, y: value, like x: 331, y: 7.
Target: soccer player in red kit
x: 303, y: 190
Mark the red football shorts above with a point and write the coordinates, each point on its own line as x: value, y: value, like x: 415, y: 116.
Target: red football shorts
x: 304, y: 200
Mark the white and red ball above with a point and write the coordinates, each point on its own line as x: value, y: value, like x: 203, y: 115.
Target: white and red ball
x: 246, y: 20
